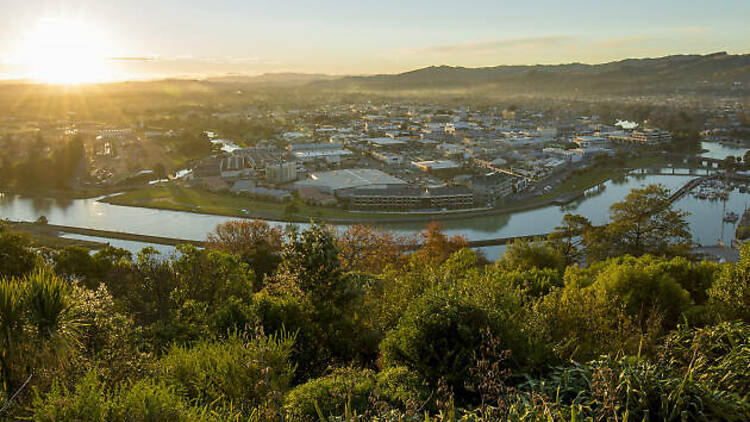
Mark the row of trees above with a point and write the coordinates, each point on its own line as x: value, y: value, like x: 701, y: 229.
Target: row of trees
x: 610, y: 322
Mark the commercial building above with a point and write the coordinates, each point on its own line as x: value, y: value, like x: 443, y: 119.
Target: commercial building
x: 591, y: 141
x: 436, y: 165
x: 408, y: 198
x: 333, y: 182
x: 492, y: 187
x: 651, y: 136
x: 330, y: 152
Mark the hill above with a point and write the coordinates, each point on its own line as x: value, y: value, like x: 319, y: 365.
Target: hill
x: 719, y: 72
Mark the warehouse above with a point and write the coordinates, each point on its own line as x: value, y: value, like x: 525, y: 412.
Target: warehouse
x: 336, y: 181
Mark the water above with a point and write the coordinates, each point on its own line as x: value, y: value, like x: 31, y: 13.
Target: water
x: 705, y: 219
x: 722, y: 150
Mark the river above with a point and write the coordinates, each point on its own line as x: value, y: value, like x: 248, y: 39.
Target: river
x: 705, y: 217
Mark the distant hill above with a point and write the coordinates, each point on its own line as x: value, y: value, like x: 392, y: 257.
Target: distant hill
x: 285, y: 78
x: 719, y: 71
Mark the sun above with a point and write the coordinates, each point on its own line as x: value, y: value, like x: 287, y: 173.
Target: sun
x: 66, y: 51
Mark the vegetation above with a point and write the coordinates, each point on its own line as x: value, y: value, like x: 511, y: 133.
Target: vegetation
x: 617, y: 322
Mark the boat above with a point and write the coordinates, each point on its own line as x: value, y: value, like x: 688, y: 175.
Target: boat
x: 731, y: 217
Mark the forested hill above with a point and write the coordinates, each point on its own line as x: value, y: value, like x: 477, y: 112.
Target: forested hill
x: 714, y: 72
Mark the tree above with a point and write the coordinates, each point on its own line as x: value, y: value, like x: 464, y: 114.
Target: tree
x: 645, y: 223
x: 256, y: 242
x: 364, y: 248
x: 311, y: 264
x: 36, y: 324
x: 436, y: 245
x: 525, y: 255
x: 568, y: 238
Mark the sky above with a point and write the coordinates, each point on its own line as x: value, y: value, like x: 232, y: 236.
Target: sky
x: 151, y: 38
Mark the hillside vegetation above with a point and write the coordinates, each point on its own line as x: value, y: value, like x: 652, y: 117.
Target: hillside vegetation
x: 613, y: 322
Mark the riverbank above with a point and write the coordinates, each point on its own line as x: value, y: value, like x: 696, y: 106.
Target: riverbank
x: 49, y: 236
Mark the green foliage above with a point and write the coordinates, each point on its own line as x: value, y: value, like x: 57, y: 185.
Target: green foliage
x: 402, y: 387
x: 437, y: 338
x: 524, y: 255
x: 16, y: 257
x: 252, y: 372
x: 730, y: 293
x: 618, y: 389
x: 330, y: 394
x: 716, y: 355
x: 643, y: 289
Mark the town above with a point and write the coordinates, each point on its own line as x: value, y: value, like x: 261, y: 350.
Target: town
x: 394, y: 157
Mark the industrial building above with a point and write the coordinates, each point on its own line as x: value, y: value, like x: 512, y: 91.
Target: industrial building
x: 333, y: 182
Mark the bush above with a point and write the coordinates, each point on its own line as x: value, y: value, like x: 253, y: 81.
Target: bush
x: 730, y: 293
x: 402, y: 387
x: 625, y: 388
x: 87, y: 402
x: 151, y: 401
x: 331, y: 394
x: 249, y: 373
x: 437, y: 338
x: 718, y: 355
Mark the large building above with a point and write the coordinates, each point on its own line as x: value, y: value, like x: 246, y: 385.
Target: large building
x: 651, y: 136
x: 401, y: 198
x: 436, y: 165
x: 492, y: 187
x: 336, y: 181
x: 329, y: 152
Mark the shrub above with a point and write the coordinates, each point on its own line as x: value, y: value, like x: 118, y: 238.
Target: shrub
x: 248, y: 373
x: 331, y: 394
x: 437, y: 338
x: 147, y: 400
x: 718, y: 355
x: 87, y: 402
x: 402, y: 387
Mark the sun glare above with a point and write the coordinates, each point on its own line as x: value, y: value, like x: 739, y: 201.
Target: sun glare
x: 62, y: 51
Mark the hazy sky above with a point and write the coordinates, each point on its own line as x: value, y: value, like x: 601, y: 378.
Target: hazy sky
x: 250, y: 36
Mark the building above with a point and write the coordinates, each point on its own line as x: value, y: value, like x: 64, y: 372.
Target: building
x: 591, y: 141
x: 313, y: 196
x: 247, y: 187
x: 492, y: 187
x: 400, y: 198
x: 329, y: 152
x: 281, y: 172
x: 450, y: 197
x: 386, y: 142
x: 388, y: 158
x: 336, y: 181
x: 394, y: 198
x: 436, y: 165
x: 234, y: 166
x: 651, y: 136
